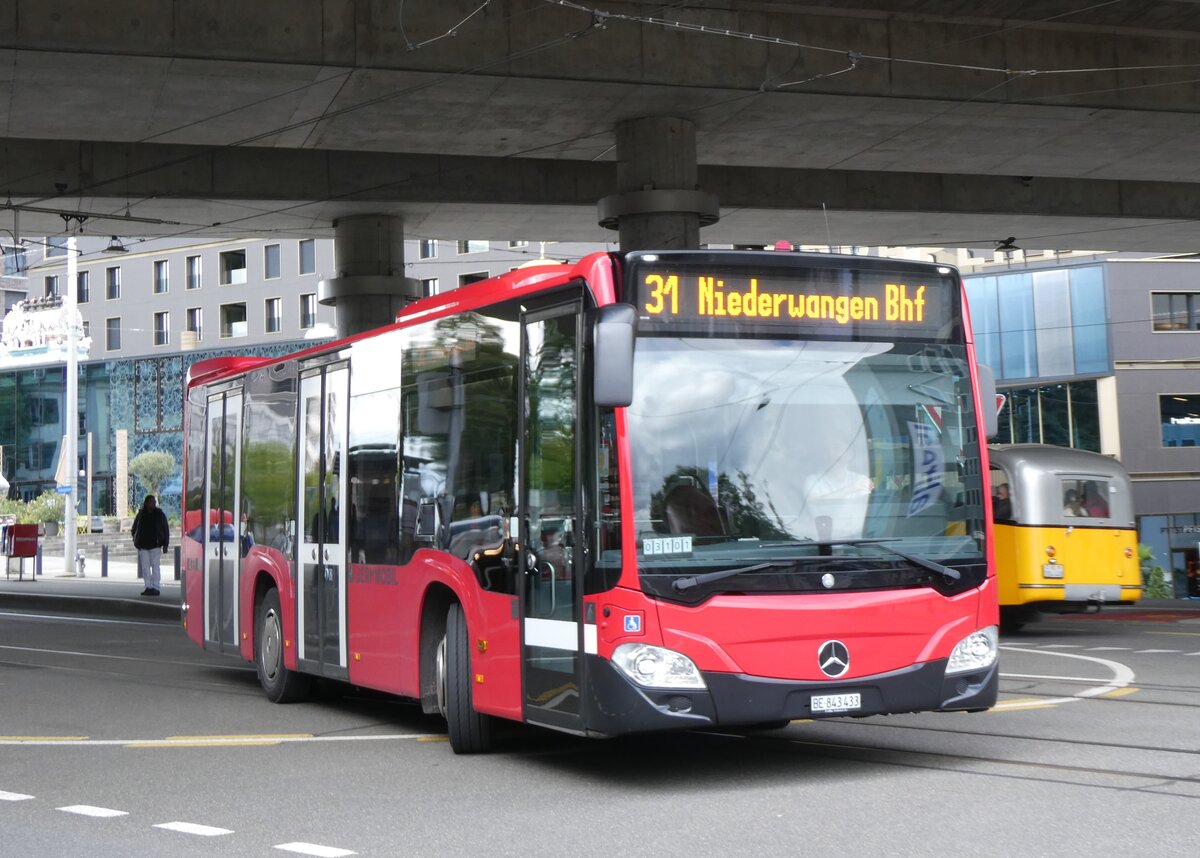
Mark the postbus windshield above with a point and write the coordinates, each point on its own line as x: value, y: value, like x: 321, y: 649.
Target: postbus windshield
x: 748, y: 450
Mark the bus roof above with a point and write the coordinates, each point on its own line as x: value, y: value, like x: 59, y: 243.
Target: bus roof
x: 595, y: 268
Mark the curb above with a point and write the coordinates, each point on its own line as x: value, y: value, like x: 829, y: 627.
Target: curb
x: 106, y: 606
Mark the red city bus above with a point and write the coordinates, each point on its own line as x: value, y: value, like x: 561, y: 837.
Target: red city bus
x: 641, y: 492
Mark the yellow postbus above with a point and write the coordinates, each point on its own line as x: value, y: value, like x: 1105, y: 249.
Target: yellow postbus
x: 1065, y: 537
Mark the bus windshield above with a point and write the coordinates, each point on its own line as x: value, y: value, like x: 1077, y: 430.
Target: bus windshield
x: 761, y: 449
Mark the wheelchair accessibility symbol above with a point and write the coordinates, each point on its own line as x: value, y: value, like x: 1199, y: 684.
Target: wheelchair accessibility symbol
x: 633, y: 623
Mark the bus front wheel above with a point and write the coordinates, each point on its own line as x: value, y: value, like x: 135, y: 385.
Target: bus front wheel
x: 280, y: 684
x: 469, y: 732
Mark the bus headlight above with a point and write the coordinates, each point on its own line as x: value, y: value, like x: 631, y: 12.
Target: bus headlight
x: 657, y: 667
x: 974, y: 652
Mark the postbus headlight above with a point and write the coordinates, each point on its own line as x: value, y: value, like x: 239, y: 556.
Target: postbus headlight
x: 974, y: 652
x: 657, y: 667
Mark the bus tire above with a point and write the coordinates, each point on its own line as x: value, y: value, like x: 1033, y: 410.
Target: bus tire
x: 280, y: 684
x: 469, y: 732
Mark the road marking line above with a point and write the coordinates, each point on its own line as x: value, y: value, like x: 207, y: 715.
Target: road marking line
x: 82, y: 620
x: 315, y: 849
x: 1140, y: 651
x: 1109, y: 648
x: 1122, y: 692
x: 16, y: 739
x: 1062, y: 646
x: 89, y: 810
x: 194, y: 828
x: 14, y: 796
x: 1122, y: 678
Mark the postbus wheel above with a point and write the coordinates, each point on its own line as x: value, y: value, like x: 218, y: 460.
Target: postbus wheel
x: 469, y: 731
x: 280, y: 684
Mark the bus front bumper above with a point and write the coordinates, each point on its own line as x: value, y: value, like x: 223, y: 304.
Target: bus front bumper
x: 616, y: 705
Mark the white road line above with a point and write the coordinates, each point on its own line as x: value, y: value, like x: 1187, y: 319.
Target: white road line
x: 1062, y: 646
x: 89, y: 810
x: 1109, y: 649
x: 194, y: 828
x: 14, y: 796
x: 315, y: 849
x: 1157, y: 650
x: 82, y: 620
x: 1122, y: 678
x: 78, y: 654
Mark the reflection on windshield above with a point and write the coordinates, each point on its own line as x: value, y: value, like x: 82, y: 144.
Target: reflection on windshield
x: 740, y: 443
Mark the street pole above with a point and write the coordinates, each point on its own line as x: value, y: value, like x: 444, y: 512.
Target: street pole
x: 71, y: 411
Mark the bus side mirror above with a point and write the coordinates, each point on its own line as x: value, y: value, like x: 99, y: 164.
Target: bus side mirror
x: 989, y: 402
x: 613, y: 355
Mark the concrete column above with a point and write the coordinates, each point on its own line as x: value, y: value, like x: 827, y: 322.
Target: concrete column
x: 659, y: 205
x: 370, y: 286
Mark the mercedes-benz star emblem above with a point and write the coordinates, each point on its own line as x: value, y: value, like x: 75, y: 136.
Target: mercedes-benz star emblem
x: 834, y: 658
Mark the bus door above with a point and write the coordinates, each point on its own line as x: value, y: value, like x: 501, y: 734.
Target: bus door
x: 222, y: 496
x: 321, y: 517
x: 552, y: 635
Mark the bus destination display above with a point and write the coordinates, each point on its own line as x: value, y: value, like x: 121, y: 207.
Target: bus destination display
x: 685, y: 296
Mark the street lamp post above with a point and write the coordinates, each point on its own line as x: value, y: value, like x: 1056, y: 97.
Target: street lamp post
x: 71, y: 411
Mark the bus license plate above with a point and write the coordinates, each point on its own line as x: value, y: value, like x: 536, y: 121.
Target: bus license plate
x: 836, y: 702
x: 1052, y: 570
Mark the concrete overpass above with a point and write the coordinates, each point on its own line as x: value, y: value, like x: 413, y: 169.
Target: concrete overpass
x: 1063, y: 123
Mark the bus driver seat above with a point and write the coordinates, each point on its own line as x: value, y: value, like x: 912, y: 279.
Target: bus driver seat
x: 689, y: 509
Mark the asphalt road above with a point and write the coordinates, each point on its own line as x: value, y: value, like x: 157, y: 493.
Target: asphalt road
x: 120, y: 738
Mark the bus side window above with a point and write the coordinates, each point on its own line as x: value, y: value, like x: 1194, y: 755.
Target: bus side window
x: 1002, y: 506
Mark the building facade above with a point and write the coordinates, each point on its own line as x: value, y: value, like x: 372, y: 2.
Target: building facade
x: 1102, y: 352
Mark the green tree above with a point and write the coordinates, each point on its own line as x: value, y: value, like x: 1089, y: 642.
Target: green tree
x: 1155, y: 583
x: 152, y: 469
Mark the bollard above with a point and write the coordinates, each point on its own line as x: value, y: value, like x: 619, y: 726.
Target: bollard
x: 103, y: 561
x: 37, y: 567
x: 80, y: 564
x: 177, y: 557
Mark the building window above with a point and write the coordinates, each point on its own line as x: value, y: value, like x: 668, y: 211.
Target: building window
x: 193, y: 272
x: 51, y: 290
x: 308, y: 309
x: 194, y: 322
x: 87, y: 328
x: 14, y: 260
x: 429, y: 286
x: 472, y: 246
x: 515, y: 244
x: 56, y: 245
x: 233, y: 267
x: 308, y: 257
x: 1180, y: 413
x: 1175, y: 311
x: 160, y: 276
x: 273, y: 313
x: 233, y: 320
x: 83, y: 287
x: 427, y: 249
x: 162, y: 329
x: 112, y: 334
x: 112, y: 283
x: 271, y: 262
x: 472, y: 277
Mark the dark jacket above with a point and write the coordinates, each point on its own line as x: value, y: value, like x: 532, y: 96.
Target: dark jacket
x: 150, y: 530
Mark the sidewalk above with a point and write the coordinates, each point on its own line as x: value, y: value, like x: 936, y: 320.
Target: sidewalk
x: 60, y: 589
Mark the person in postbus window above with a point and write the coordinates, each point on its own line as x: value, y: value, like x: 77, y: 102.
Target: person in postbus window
x: 1002, y: 504
x: 1072, y: 504
x: 1093, y: 501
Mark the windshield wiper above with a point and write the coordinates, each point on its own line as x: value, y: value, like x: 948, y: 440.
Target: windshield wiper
x: 923, y: 562
x: 708, y: 577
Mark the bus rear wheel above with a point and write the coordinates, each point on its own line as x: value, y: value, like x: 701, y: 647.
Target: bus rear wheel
x: 469, y: 731
x: 280, y: 684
